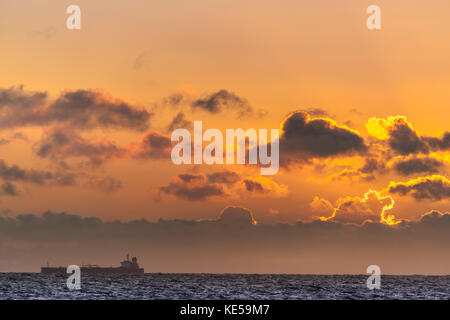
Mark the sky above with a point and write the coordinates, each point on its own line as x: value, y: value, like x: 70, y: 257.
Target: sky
x: 86, y: 118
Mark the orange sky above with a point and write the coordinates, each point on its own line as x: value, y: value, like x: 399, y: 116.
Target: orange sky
x: 277, y: 57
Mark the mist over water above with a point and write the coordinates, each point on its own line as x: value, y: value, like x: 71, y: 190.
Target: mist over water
x: 222, y: 286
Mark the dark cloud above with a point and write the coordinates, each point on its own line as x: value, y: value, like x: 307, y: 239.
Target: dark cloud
x: 192, y: 187
x: 15, y: 173
x: 225, y: 177
x: 191, y: 177
x: 433, y: 187
x: 40, y: 177
x: 403, y: 139
x: 253, y: 186
x: 20, y: 107
x: 303, y: 138
x: 80, y: 109
x: 84, y: 108
x: 17, y: 97
x: 179, y: 121
x: 263, y: 186
x: 198, y: 186
x: 222, y: 100
x: 418, y: 165
x: 175, y: 99
x: 372, y: 165
x: 9, y: 189
x: 434, y: 219
x: 439, y: 143
x: 10, y: 173
x: 229, y: 243
x: 237, y: 217
x: 153, y: 145
x: 59, y: 144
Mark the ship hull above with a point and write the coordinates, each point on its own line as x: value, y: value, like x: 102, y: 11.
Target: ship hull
x: 92, y: 270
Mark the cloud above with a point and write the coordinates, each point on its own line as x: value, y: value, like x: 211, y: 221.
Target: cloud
x: 15, y: 173
x: 372, y: 165
x: 152, y: 145
x: 435, y: 219
x: 417, y: 165
x: 179, y: 121
x: 401, y: 136
x: 229, y: 243
x: 371, y: 207
x: 7, y: 188
x: 10, y: 173
x: 350, y: 175
x: 237, y: 217
x: 60, y: 143
x: 222, y: 100
x: 433, y: 187
x: 192, y: 187
x: 224, y: 177
x: 303, y: 138
x: 264, y: 186
x: 439, y: 143
x: 198, y: 186
x: 19, y: 98
x: 19, y: 107
x: 85, y: 108
x: 175, y: 99
x: 79, y: 109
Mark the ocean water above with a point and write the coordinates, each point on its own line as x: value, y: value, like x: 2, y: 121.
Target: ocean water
x: 222, y: 286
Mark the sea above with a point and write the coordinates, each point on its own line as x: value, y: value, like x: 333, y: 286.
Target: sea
x: 223, y: 286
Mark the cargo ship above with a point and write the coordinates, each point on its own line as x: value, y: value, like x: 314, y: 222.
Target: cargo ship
x: 126, y: 267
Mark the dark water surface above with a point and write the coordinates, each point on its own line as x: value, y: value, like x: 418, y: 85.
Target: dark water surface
x: 222, y: 286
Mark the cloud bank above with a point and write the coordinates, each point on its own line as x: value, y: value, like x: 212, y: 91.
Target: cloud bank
x: 233, y: 242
